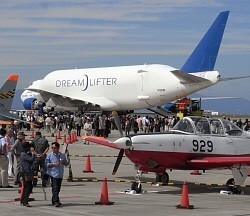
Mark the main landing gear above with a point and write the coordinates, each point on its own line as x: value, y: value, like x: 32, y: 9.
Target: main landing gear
x: 136, y: 185
x: 230, y: 186
x: 160, y: 178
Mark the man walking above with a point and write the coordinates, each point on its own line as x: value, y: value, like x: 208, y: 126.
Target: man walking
x: 55, y: 162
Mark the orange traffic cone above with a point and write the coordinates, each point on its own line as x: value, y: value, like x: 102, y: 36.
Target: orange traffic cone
x: 104, y: 199
x: 195, y: 172
x: 76, y: 140
x: 73, y: 136
x: 184, y: 198
x: 21, y: 191
x: 88, y: 165
x: 21, y: 194
x: 56, y: 139
x: 59, y: 135
x: 69, y: 139
x: 64, y: 139
x: 32, y: 134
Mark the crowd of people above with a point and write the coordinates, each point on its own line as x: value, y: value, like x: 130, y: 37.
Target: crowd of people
x: 101, y: 124
x: 31, y: 157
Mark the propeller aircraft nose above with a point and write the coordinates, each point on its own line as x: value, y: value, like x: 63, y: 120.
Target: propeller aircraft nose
x: 124, y: 143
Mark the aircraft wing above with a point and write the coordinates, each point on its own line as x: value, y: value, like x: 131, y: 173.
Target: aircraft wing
x: 218, y: 161
x: 6, y: 116
x: 68, y: 101
x: 101, y: 141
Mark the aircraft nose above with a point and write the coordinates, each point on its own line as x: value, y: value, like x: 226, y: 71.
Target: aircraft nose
x: 124, y: 142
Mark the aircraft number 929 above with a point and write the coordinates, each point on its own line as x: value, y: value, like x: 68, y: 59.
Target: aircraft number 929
x: 202, y: 146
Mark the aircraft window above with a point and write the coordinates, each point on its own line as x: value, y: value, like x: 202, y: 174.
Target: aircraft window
x: 231, y: 129
x: 216, y: 126
x: 202, y: 126
x: 184, y: 125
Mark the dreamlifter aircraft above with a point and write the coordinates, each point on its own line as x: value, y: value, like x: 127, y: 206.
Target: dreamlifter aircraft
x: 128, y: 88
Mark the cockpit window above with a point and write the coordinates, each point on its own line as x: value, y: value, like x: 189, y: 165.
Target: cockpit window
x: 216, y: 126
x: 202, y: 126
x: 231, y: 129
x: 184, y: 125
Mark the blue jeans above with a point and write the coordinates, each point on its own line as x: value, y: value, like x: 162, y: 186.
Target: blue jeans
x: 56, y: 187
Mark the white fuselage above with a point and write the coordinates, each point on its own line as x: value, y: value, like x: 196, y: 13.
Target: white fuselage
x: 123, y: 88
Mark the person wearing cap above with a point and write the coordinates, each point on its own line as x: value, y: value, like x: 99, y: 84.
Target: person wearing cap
x: 17, y: 149
x: 41, y: 147
x: 3, y: 160
x: 26, y: 160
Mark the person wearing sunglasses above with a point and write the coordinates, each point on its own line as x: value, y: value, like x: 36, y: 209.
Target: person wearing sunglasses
x: 55, y: 162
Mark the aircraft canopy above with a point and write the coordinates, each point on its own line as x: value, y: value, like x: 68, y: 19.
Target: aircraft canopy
x: 202, y: 125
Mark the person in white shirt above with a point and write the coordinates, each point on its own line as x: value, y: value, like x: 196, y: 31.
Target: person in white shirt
x: 10, y: 141
x: 48, y: 124
x: 87, y: 127
x: 3, y: 160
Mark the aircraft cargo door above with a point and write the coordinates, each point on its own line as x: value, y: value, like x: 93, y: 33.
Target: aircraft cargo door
x: 142, y: 85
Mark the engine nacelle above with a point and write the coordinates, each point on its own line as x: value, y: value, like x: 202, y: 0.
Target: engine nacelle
x: 46, y: 109
x: 28, y: 103
x: 38, y: 104
x: 33, y: 104
x: 124, y: 142
x: 170, y: 107
x: 125, y: 112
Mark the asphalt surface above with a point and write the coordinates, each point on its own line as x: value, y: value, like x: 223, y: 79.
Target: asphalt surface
x: 79, y: 196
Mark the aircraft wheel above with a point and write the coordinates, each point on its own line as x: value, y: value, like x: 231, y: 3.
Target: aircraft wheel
x: 230, y: 185
x: 136, y: 186
x: 164, y: 178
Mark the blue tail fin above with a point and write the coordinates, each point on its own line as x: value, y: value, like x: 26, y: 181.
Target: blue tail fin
x: 204, y: 55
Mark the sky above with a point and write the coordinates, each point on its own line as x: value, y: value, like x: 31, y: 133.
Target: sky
x: 40, y: 36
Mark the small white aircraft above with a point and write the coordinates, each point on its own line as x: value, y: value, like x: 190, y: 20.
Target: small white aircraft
x: 195, y: 143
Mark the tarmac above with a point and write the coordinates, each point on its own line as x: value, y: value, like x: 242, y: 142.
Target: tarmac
x: 79, y: 196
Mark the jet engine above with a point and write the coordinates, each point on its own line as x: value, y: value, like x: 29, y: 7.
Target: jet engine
x: 46, y: 109
x: 33, y: 104
x: 170, y: 107
x: 125, y: 112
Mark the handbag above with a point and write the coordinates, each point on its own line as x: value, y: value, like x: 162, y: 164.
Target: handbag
x: 28, y: 176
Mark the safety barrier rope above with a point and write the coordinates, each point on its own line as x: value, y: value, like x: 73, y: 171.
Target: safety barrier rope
x: 151, y: 183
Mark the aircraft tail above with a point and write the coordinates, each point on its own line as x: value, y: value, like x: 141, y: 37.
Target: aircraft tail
x: 7, y: 92
x: 204, y: 56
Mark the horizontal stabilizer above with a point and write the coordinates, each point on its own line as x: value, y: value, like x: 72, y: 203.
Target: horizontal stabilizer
x: 101, y: 141
x: 187, y: 78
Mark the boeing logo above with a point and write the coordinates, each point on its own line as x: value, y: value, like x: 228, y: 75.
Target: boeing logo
x: 86, y: 82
